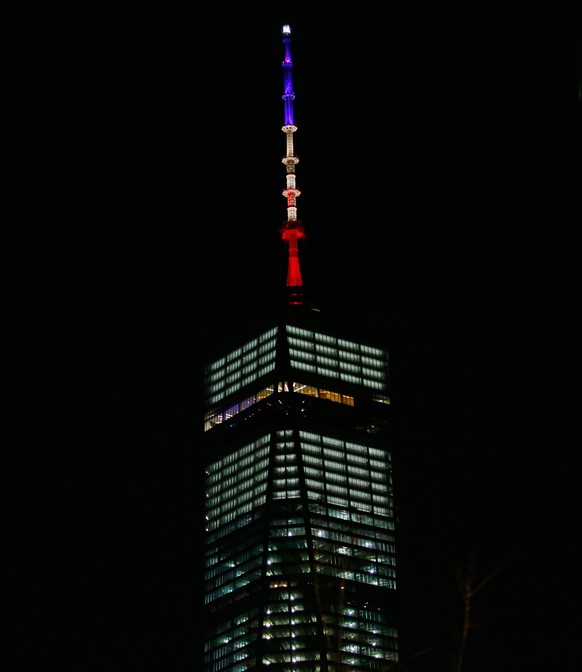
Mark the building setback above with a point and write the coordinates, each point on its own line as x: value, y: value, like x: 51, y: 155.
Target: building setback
x: 299, y: 546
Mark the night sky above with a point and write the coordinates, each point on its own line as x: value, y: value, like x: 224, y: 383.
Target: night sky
x: 440, y: 175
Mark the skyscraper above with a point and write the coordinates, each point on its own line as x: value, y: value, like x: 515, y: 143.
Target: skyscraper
x: 299, y: 550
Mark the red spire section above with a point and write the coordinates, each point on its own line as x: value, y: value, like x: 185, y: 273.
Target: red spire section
x: 292, y: 230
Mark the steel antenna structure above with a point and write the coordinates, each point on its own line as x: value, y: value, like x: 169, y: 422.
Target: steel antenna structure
x: 292, y: 229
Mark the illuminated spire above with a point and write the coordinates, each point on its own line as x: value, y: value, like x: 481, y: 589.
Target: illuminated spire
x: 291, y: 230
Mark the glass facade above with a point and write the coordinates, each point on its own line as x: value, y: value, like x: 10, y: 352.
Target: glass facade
x: 241, y: 367
x: 300, y: 565
x: 336, y: 358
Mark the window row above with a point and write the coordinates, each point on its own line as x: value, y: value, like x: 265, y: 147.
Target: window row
x: 372, y: 369
x: 339, y: 343
x: 247, y: 380
x: 218, y: 416
x: 231, y: 479
x: 247, y: 454
x: 338, y: 375
x: 224, y: 556
x: 220, y: 514
x: 238, y: 367
x: 256, y: 344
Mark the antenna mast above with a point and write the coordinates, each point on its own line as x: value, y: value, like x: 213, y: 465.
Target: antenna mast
x: 291, y: 230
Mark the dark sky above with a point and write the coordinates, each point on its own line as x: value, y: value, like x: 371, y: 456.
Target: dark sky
x: 439, y: 167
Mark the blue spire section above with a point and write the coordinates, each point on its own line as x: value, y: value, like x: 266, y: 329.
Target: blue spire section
x: 288, y: 95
